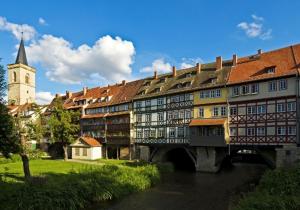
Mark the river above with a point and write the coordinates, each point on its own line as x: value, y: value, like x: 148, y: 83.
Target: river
x: 185, y: 190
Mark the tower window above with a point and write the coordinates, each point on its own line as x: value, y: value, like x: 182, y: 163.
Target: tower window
x: 15, y: 77
x: 27, y: 78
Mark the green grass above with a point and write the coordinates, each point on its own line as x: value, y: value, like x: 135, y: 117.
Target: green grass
x: 278, y: 190
x: 67, y: 185
x: 38, y: 167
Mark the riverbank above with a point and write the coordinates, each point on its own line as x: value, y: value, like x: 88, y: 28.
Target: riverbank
x: 69, y: 185
x: 278, y: 189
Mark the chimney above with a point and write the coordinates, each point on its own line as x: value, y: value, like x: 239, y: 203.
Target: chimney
x: 234, y: 60
x: 198, y: 67
x: 84, y: 90
x: 57, y: 95
x: 259, y: 51
x: 218, y: 62
x: 68, y: 94
x: 123, y: 82
x: 174, y: 71
x: 155, y: 75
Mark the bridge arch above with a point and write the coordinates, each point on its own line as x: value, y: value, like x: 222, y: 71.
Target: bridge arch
x: 180, y: 157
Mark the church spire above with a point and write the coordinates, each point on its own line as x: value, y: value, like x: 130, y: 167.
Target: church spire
x: 21, y: 57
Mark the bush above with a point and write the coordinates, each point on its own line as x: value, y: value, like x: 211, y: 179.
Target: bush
x: 77, y: 190
x: 277, y: 190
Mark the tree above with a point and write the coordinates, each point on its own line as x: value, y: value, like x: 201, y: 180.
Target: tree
x: 64, y: 126
x: 11, y: 138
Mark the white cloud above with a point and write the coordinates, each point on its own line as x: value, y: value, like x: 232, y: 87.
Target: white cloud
x: 43, y: 97
x: 256, y: 28
x: 109, y: 58
x: 17, y: 29
x: 42, y: 21
x: 257, y: 18
x: 190, y: 62
x: 158, y: 65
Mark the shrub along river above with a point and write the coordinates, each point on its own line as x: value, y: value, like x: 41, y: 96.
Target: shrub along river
x: 191, y: 190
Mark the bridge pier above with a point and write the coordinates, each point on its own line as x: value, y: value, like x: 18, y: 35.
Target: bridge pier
x: 287, y: 156
x: 209, y: 159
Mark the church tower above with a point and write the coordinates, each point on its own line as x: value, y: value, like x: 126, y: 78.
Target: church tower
x: 21, y: 80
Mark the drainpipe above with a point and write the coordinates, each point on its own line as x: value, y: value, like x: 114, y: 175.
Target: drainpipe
x: 228, y: 115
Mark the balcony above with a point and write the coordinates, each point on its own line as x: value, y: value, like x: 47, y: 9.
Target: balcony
x: 162, y: 141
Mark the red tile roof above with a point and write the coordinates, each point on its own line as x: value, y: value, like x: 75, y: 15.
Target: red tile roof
x: 285, y: 60
x: 90, y: 141
x: 199, y: 122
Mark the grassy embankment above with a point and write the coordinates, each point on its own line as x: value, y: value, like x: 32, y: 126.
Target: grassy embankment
x: 277, y: 190
x: 68, y: 185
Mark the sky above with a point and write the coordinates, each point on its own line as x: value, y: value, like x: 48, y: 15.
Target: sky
x: 73, y: 44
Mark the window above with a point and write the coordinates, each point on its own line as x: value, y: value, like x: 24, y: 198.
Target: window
x: 160, y: 101
x: 245, y: 89
x: 251, y: 110
x: 272, y: 86
x: 218, y: 93
x: 172, y: 132
x: 292, y: 130
x: 261, y: 109
x: 201, y: 112
x: 139, y: 117
x: 271, y: 70
x: 281, y: 130
x: 77, y: 151
x: 148, y: 117
x: 153, y: 133
x: 180, y: 132
x: 139, y: 134
x: 147, y: 133
x: 174, y: 99
x: 84, y: 151
x: 280, y: 107
x: 291, y: 106
x: 235, y: 91
x: 212, y: 94
x: 232, y: 131
x: 15, y: 77
x: 233, y: 110
x: 160, y: 116
x: 148, y: 103
x: 138, y: 104
x: 216, y: 111
x: 161, y: 132
x: 27, y: 78
x: 202, y: 95
x: 254, y: 88
x: 223, y: 110
x: 170, y: 115
x: 282, y: 84
x: 260, y: 131
x: 188, y: 114
x: 181, y: 114
x: 250, y: 131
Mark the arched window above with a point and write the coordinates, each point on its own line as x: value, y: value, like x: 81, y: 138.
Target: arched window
x: 15, y: 77
x: 27, y: 78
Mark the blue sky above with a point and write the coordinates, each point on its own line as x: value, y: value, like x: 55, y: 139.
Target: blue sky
x: 89, y: 43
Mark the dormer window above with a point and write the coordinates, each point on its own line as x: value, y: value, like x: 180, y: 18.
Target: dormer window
x: 156, y: 90
x: 187, y: 84
x: 162, y: 80
x: 143, y: 92
x: 213, y: 80
x: 179, y: 85
x: 188, y: 75
x: 147, y: 83
x: 271, y: 70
